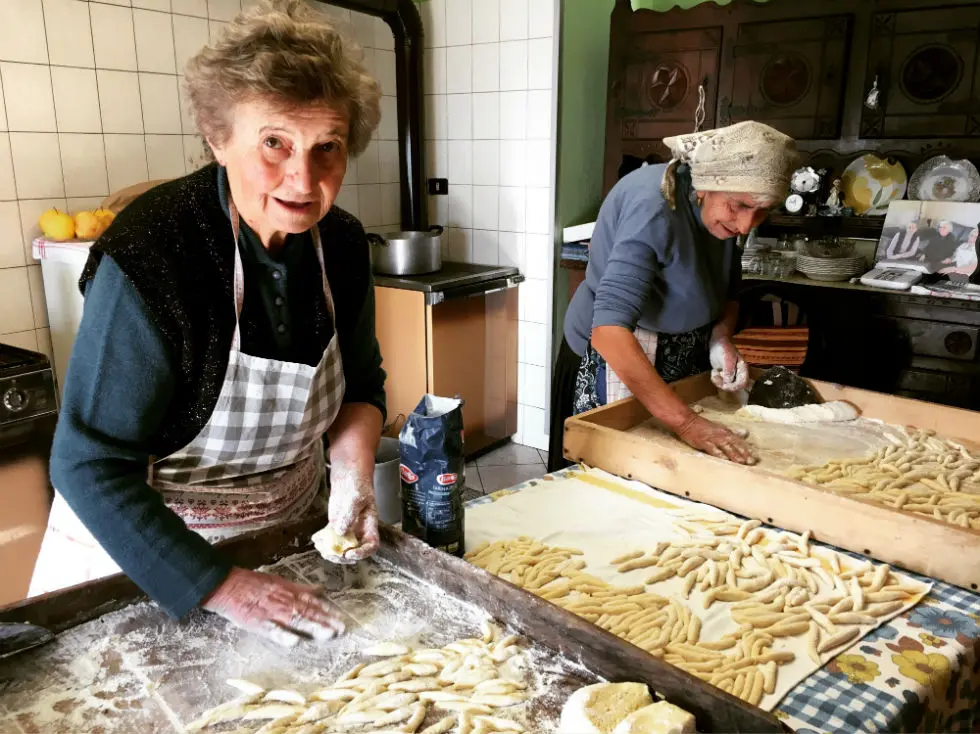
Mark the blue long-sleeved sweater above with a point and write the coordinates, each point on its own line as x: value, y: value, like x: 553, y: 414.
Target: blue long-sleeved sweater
x: 118, y: 388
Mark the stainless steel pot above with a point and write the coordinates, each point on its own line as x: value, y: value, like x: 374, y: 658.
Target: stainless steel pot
x: 406, y: 253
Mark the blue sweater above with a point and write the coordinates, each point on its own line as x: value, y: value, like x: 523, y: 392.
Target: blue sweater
x: 651, y: 266
x: 118, y: 389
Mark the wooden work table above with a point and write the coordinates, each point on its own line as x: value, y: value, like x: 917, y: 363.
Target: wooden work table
x: 161, y: 671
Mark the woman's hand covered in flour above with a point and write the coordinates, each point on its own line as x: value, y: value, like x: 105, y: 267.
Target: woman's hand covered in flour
x: 715, y: 439
x: 352, y: 511
x: 274, y: 608
x: 728, y: 370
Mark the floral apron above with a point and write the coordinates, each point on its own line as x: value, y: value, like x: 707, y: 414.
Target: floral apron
x: 674, y: 356
x: 257, y: 462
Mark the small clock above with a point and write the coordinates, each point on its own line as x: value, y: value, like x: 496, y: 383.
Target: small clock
x: 794, y: 203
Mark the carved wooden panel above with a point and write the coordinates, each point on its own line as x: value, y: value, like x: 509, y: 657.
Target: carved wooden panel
x: 660, y: 81
x: 790, y: 74
x: 926, y: 64
x: 803, y: 67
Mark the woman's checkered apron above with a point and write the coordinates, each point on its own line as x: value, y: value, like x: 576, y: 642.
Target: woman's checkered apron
x: 258, y: 462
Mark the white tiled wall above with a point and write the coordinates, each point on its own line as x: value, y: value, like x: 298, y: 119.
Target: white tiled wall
x: 90, y: 102
x: 490, y: 129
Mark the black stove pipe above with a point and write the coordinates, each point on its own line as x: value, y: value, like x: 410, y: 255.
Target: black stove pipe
x: 406, y: 25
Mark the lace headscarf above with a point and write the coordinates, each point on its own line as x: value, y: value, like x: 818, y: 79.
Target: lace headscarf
x: 744, y: 158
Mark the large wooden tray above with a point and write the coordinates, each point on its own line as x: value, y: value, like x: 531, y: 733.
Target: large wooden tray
x: 598, y: 651
x: 601, y: 438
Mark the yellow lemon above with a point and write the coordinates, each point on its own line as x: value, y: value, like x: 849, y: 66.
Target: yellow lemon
x: 48, y: 216
x: 57, y: 225
x: 105, y: 217
x: 87, y: 226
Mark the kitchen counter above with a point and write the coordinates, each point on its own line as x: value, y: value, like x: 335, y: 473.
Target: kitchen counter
x: 452, y: 275
x: 453, y: 333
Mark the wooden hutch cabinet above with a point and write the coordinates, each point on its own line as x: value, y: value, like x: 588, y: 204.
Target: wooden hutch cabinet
x: 806, y: 69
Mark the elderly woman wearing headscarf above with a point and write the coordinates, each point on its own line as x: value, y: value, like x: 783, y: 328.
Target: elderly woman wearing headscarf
x: 658, y: 300
x: 228, y: 332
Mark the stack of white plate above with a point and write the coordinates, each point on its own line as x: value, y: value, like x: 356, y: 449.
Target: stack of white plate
x: 831, y: 268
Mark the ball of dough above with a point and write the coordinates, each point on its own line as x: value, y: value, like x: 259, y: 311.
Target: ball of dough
x: 329, y: 543
x: 597, y: 709
x: 658, y: 718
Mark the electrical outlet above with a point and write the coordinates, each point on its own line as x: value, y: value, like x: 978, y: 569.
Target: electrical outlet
x: 439, y: 186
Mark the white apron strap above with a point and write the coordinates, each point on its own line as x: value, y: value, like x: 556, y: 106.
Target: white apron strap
x: 615, y: 389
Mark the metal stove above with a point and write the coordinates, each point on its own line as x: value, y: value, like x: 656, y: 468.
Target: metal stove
x: 28, y: 399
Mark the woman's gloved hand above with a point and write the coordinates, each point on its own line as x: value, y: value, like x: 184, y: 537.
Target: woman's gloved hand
x: 274, y: 608
x: 715, y: 439
x: 728, y: 370
x: 352, y: 511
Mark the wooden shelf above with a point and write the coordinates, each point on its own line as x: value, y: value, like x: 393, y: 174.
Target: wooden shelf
x: 928, y: 301
x: 572, y: 264
x: 868, y: 228
x: 799, y: 279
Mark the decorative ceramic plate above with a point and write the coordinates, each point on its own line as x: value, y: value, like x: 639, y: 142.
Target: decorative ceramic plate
x: 943, y: 179
x: 871, y: 183
x: 805, y: 180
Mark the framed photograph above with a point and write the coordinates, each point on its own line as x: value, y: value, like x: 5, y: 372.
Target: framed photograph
x: 931, y: 237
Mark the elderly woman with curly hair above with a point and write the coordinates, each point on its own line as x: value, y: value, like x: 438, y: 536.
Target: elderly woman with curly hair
x: 228, y: 335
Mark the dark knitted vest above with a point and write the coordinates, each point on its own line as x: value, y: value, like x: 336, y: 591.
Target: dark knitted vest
x: 174, y: 243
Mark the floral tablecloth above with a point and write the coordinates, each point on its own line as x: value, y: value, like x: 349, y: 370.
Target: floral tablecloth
x: 920, y: 672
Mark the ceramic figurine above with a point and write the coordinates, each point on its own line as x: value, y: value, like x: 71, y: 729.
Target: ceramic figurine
x: 834, y: 198
x: 872, y: 99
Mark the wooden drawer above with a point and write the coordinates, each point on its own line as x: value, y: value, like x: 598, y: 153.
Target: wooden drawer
x: 935, y: 338
x: 922, y: 381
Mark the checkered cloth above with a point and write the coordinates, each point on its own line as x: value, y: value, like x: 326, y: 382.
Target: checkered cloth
x: 615, y: 389
x: 918, y: 672
x: 259, y: 459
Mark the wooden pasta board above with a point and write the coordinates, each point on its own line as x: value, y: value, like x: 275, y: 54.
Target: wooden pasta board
x: 595, y: 649
x: 923, y: 544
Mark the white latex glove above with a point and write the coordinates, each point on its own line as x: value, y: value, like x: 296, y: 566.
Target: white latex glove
x: 352, y: 511
x: 728, y: 370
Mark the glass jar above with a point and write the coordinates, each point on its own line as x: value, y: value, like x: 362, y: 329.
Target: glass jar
x: 786, y: 265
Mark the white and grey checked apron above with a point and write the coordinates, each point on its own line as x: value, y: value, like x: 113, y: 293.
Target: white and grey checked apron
x: 257, y: 462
